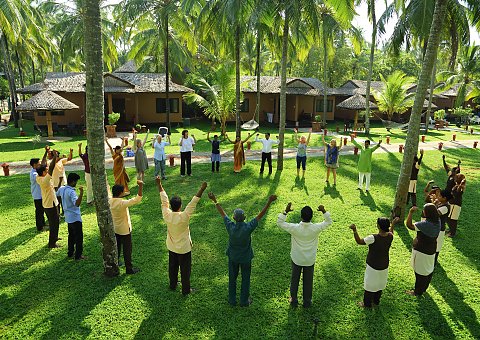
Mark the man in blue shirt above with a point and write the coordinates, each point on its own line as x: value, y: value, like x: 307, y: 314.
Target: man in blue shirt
x: 36, y: 194
x: 159, y: 155
x: 239, y: 251
x: 71, y: 206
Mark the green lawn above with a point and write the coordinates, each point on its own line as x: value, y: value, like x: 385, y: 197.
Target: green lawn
x: 43, y: 295
x: 15, y: 148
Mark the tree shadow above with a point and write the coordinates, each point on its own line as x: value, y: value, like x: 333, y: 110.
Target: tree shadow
x: 19, y: 239
x: 462, y: 313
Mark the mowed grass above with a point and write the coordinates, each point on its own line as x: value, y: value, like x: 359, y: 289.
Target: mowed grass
x: 44, y: 295
x: 14, y: 148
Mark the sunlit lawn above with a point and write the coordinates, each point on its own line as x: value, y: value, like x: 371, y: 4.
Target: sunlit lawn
x: 43, y: 295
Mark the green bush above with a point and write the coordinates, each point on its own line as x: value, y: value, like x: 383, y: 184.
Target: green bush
x: 113, y: 118
x: 439, y: 114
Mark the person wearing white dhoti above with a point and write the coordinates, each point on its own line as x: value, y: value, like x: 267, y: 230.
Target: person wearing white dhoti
x: 376, y: 272
x: 424, y: 247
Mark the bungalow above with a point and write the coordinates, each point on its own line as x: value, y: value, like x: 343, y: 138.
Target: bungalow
x: 304, y: 99
x: 138, y: 97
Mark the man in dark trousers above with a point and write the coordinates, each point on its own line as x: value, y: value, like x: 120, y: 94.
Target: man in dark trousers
x: 412, y: 188
x: 179, y: 242
x: 239, y: 251
x: 71, y: 206
x: 266, y: 151
x: 36, y: 194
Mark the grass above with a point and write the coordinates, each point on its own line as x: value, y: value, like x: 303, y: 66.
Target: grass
x: 45, y: 296
x: 15, y: 148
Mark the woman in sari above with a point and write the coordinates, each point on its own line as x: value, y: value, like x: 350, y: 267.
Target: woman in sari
x: 119, y: 172
x: 238, y: 152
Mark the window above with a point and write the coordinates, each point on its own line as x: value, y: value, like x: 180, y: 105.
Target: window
x: 245, y: 105
x: 162, y: 105
x: 41, y: 113
x: 319, y: 105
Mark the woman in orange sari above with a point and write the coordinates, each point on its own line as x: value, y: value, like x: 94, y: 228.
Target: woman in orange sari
x: 119, y: 172
x: 238, y: 152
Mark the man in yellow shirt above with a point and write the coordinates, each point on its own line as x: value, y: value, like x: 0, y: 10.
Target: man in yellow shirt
x: 122, y: 224
x: 179, y: 242
x: 49, y: 200
x: 59, y: 177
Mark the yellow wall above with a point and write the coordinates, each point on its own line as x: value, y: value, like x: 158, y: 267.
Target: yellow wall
x: 76, y: 116
x: 147, y: 108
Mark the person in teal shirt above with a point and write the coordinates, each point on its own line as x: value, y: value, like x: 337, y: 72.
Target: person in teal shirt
x: 365, y: 163
x: 239, y: 251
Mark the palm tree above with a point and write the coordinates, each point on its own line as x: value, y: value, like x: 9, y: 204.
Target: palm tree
x: 225, y: 17
x: 373, y: 19
x: 66, y: 21
x: 467, y: 73
x: 411, y: 144
x: 393, y: 98
x: 14, y: 15
x: 95, y: 131
x: 216, y: 99
x: 334, y: 17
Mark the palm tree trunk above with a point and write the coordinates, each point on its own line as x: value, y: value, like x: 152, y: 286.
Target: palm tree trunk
x: 167, y: 77
x: 10, y: 78
x: 411, y: 143
x: 370, y: 66
x: 430, y: 96
x: 96, y: 134
x: 237, y: 80
x: 20, y: 72
x: 454, y: 46
x: 258, y: 72
x: 283, y: 92
x: 33, y: 71
x: 325, y: 65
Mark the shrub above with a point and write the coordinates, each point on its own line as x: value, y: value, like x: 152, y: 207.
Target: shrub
x: 113, y: 118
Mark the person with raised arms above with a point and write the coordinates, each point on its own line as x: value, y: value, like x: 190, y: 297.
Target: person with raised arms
x: 239, y: 251
x: 365, y: 163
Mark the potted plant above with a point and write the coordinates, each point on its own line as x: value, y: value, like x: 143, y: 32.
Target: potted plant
x: 112, y: 128
x: 439, y: 118
x: 317, y: 123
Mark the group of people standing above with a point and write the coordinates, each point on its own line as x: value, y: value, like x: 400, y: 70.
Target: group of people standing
x: 51, y: 188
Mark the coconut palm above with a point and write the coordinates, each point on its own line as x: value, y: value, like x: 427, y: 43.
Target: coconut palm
x: 95, y: 131
x: 467, y: 75
x: 217, y: 98
x: 66, y: 22
x: 393, y: 98
x: 411, y: 144
x: 230, y: 18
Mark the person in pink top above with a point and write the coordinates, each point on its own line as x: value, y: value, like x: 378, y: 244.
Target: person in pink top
x: 179, y: 242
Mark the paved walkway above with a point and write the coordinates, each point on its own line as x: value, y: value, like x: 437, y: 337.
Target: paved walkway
x: 227, y: 156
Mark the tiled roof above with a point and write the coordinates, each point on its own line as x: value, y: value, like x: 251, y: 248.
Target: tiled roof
x: 46, y: 101
x: 128, y: 67
x: 295, y: 85
x: 355, y: 86
x: 356, y: 102
x: 130, y: 83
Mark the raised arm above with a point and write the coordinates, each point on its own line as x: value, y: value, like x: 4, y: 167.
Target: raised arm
x: 159, y: 184
x: 378, y: 145
x: 109, y: 146
x: 201, y: 190
x: 309, y: 135
x: 52, y: 164
x: 80, y: 197
x: 79, y: 149
x: 217, y: 205
x: 208, y: 137
x: 249, y: 135
x: 445, y: 165
x: 359, y: 240
x: 228, y: 138
x: 354, y: 142
x: 168, y: 138
x: 392, y: 224
x: 420, y: 158
x: 145, y: 139
x: 70, y: 155
x: 265, y: 208
x: 140, y: 188
x: 426, y: 191
x: 44, y: 158
x: 409, y: 223
x: 134, y: 141
x: 296, y: 135
x: 194, y: 140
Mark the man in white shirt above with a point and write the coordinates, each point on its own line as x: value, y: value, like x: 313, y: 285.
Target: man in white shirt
x: 304, y: 242
x: 186, y: 148
x: 159, y: 156
x: 266, y: 151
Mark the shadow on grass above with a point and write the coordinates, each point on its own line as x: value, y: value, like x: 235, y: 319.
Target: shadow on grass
x: 17, y: 240
x: 462, y: 313
x: 47, y: 277
x: 331, y: 190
